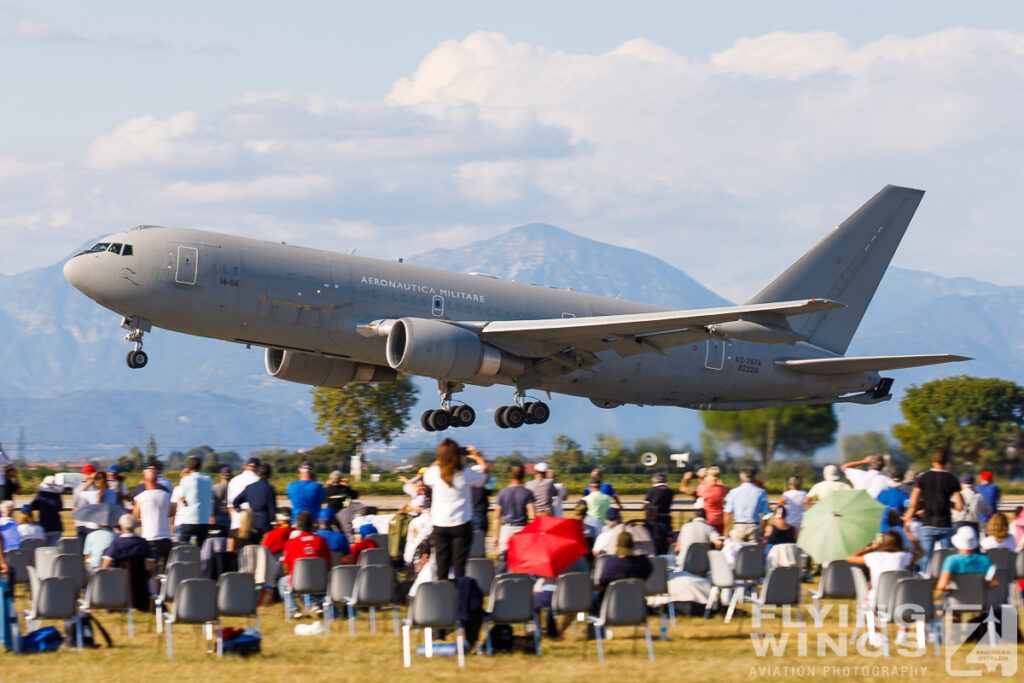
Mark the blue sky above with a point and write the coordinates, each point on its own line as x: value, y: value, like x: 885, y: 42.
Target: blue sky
x: 725, y: 138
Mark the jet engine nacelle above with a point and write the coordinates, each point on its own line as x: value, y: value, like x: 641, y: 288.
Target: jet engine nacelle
x: 321, y: 371
x: 421, y: 346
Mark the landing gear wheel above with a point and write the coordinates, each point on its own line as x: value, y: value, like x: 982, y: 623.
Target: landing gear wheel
x: 137, y: 359
x: 499, y: 417
x: 440, y: 420
x: 425, y: 420
x: 513, y: 417
x: 537, y: 413
x: 463, y: 416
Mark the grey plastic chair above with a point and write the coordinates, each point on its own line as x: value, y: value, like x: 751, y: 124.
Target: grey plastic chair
x: 195, y: 603
x: 71, y: 566
x: 381, y: 540
x: 597, y: 568
x: 237, y: 596
x: 19, y: 560
x: 836, y: 583
x: 481, y: 569
x: 108, y: 589
x: 934, y: 567
x: 748, y: 571
x: 435, y: 606
x: 184, y: 553
x: 574, y: 594
x: 881, y: 613
x: 721, y: 578
x: 176, y: 573
x: 42, y: 560
x: 657, y: 584
x: 913, y: 601
x: 374, y: 587
x: 623, y: 605
x: 696, y: 559
x: 478, y: 547
x: 511, y: 602
x: 55, y: 598
x: 30, y: 544
x: 309, y: 577
x: 340, y: 587
x: 781, y: 588
x: 784, y: 555
x: 374, y: 556
x: 68, y: 545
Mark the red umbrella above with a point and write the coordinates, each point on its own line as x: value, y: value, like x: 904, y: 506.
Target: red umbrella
x: 546, y: 546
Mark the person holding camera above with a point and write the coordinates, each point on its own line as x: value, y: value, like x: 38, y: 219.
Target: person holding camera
x: 451, y: 507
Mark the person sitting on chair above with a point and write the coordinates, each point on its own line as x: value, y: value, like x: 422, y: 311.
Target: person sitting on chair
x: 304, y: 544
x: 966, y: 559
x: 625, y: 565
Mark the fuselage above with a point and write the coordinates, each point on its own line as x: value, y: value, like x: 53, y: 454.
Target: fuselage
x: 312, y: 301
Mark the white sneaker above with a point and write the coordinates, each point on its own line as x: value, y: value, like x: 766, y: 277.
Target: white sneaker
x: 901, y: 638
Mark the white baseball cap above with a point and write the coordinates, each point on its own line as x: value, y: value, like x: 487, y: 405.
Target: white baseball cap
x: 831, y: 473
x: 541, y: 467
x: 965, y: 538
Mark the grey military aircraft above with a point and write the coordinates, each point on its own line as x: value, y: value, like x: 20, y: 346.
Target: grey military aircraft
x: 327, y: 319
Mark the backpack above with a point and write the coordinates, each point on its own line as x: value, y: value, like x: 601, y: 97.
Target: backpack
x: 89, y: 626
x: 398, y: 529
x: 46, y: 639
x: 244, y: 644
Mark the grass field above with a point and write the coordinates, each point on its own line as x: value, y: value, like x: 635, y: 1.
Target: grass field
x: 697, y: 649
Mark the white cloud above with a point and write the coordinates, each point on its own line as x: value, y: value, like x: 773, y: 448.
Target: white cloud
x: 149, y: 144
x: 44, y: 31
x: 273, y: 187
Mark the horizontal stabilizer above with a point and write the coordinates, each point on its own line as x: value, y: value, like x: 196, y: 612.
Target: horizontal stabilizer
x: 855, y: 364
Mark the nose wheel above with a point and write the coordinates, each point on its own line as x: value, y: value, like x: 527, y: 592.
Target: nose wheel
x: 137, y: 358
x: 136, y: 327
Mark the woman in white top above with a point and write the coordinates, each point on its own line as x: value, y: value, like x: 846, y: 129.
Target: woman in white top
x: 451, y: 505
x: 27, y: 527
x: 794, y: 498
x: 998, y: 531
x: 883, y: 556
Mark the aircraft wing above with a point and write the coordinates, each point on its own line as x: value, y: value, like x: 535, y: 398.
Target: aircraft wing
x: 857, y: 364
x: 631, y: 333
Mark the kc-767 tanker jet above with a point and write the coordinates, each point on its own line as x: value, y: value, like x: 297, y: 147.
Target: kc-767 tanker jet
x: 327, y: 319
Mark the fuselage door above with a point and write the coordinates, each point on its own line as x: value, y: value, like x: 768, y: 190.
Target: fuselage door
x: 188, y: 260
x: 715, y: 359
x: 438, y: 306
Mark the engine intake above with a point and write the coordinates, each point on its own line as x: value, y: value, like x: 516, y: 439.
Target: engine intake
x: 421, y: 346
x: 321, y: 371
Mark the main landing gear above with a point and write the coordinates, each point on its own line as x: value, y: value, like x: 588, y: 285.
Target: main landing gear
x: 520, y: 413
x: 447, y: 415
x: 136, y: 327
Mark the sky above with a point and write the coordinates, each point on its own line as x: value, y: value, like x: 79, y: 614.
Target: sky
x: 725, y: 138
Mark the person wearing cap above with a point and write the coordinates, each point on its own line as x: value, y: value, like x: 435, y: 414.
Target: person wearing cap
x: 933, y: 491
x: 154, y: 509
x: 597, y: 503
x: 513, y: 509
x: 744, y: 506
x: 91, y: 491
x: 830, y: 481
x: 872, y: 480
x: 196, y: 508
x: 559, y: 495
x: 237, y: 485
x: 48, y: 503
x: 338, y: 492
x: 604, y: 544
x: 966, y: 559
x: 542, y: 488
x: 975, y: 507
x: 303, y: 544
x: 596, y: 475
x: 336, y: 541
x: 261, y: 498
x: 660, y: 497
x: 275, y: 539
x: 158, y: 467
x: 660, y: 533
x: 990, y: 492
x: 221, y: 518
x: 115, y: 483
x: 624, y: 565
x: 306, y: 493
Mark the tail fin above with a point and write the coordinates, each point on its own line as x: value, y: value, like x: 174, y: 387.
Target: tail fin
x: 846, y: 266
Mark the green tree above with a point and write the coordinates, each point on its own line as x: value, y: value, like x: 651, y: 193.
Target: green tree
x: 362, y: 413
x: 795, y: 429
x: 424, y: 458
x: 612, y: 455
x: 976, y: 418
x: 567, y: 456
x: 152, y: 451
x: 857, y: 446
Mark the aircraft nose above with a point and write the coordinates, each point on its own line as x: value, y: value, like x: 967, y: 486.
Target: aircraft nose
x: 76, y: 271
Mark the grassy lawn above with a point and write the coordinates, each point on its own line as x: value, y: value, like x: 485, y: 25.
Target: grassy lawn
x: 696, y: 650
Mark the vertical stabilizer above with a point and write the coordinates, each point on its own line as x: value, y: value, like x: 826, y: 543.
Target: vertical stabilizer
x: 846, y: 266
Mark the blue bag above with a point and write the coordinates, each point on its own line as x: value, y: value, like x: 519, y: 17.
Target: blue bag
x: 8, y: 619
x: 244, y: 644
x: 46, y: 639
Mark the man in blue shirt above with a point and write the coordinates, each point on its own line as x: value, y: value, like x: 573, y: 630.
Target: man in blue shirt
x: 744, y: 506
x: 196, y: 511
x: 893, y: 498
x: 990, y: 492
x: 306, y: 494
x: 336, y: 541
x: 604, y: 487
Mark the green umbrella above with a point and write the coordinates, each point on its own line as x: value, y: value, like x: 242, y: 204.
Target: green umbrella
x: 841, y: 524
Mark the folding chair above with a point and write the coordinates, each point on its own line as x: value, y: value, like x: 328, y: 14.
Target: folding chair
x: 55, y: 598
x: 435, y: 606
x: 108, y: 589
x: 71, y: 566
x: 176, y: 573
x: 196, y: 603
x: 42, y: 559
x: 340, y: 587
x: 374, y: 556
x: 881, y: 613
x: 574, y: 594
x: 623, y: 605
x: 696, y: 559
x: 68, y: 545
x: 511, y: 602
x: 748, y: 572
x: 237, y: 596
x: 19, y: 560
x: 967, y: 594
x: 781, y: 588
x: 309, y: 577
x: 30, y: 544
x: 657, y: 585
x: 184, y: 553
x: 721, y: 579
x: 374, y: 587
x: 836, y: 583
x: 478, y: 547
x: 481, y: 569
x: 913, y: 601
x: 381, y: 540
x: 934, y: 567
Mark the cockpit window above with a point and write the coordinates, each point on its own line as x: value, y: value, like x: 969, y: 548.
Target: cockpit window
x: 127, y: 250
x: 115, y: 248
x: 101, y: 246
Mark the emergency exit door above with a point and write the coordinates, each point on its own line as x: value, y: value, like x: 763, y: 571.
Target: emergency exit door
x: 188, y: 258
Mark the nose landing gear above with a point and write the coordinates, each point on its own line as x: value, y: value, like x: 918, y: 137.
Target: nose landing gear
x: 136, y: 327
